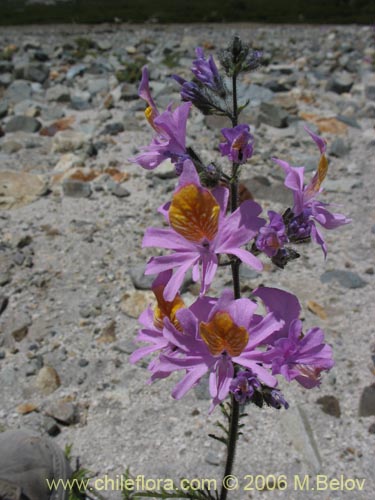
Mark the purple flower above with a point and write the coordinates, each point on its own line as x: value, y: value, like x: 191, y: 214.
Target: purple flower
x: 306, y: 208
x: 272, y: 236
x: 284, y: 305
x: 153, y: 320
x: 199, y: 231
x: 239, y: 143
x: 300, y: 357
x: 244, y: 385
x: 169, y: 141
x: 206, y: 72
x: 170, y: 128
x: 228, y: 337
x: 144, y: 93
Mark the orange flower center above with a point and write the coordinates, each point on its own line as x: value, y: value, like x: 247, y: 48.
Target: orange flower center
x: 221, y: 334
x: 165, y: 309
x: 194, y: 213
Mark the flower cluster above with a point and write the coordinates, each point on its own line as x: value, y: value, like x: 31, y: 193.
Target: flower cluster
x: 242, y: 350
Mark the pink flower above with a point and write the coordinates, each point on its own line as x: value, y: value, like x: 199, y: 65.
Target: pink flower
x: 170, y: 128
x: 199, y: 231
x: 306, y: 208
x: 229, y: 336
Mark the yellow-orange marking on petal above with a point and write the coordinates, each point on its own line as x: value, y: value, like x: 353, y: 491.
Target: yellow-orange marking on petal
x: 320, y: 175
x: 239, y: 142
x: 194, y: 213
x: 150, y: 115
x: 221, y: 334
x: 165, y: 309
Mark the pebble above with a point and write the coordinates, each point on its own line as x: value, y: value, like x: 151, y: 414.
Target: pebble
x: 273, y: 115
x: 47, y: 380
x: 139, y: 279
x: 330, y: 405
x: 64, y: 412
x: 23, y: 124
x: 367, y: 401
x: 76, y: 189
x: 347, y: 279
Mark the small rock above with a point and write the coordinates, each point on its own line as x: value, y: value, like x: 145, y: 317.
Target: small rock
x: 347, y: 279
x: 76, y: 70
x: 21, y: 327
x: 3, y: 109
x: 10, y: 147
x: 63, y: 411
x: 19, y: 90
x: 119, y: 191
x: 256, y: 94
x: 103, y: 45
x: 48, y: 380
x: 51, y: 427
x: 80, y: 100
x: 58, y: 93
x: 76, y: 189
x: 3, y: 303
x: 35, y: 72
x: 213, y: 458
x: 83, y: 362
x: 25, y: 408
x: 339, y: 148
x: 139, y: 279
x: 108, y: 334
x: 370, y: 91
x: 22, y: 123
x: 20, y: 188
x: 371, y: 429
x: 97, y: 86
x: 330, y: 405
x: 340, y: 82
x: 133, y: 303
x: 113, y: 128
x: 367, y: 402
x: 68, y: 141
x: 273, y: 115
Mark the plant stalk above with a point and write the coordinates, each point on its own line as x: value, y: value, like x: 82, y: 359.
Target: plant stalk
x: 235, y: 265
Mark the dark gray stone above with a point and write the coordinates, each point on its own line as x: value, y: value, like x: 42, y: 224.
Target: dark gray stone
x: 58, y: 93
x: 3, y: 303
x: 367, y: 402
x: 340, y: 82
x: 3, y: 109
x: 119, y: 191
x: 140, y: 281
x: 35, y: 72
x: 113, y: 128
x: 347, y: 279
x: 76, y: 189
x: 348, y: 120
x: 273, y: 115
x: 21, y: 123
x: 256, y: 94
x: 19, y: 90
x: 370, y: 91
x: 339, y: 148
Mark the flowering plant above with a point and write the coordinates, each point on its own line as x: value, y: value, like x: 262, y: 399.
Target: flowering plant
x: 226, y: 337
